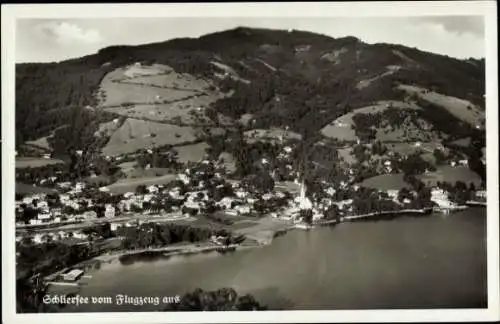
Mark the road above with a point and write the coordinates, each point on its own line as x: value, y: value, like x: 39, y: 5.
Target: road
x: 124, y: 219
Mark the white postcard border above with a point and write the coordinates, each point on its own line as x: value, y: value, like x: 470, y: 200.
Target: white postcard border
x: 343, y: 9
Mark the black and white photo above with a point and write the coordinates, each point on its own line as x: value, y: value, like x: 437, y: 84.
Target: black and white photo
x: 323, y: 158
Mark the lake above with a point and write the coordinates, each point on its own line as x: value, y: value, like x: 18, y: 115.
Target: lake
x: 409, y: 262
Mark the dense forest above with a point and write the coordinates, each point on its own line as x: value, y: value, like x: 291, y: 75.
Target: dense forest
x: 224, y: 299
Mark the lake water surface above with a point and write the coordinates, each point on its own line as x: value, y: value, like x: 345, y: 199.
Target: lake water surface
x: 408, y: 262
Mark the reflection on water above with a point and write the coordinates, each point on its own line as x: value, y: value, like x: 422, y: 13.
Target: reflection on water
x: 407, y: 262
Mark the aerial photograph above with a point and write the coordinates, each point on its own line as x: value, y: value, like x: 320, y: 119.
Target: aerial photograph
x: 250, y: 164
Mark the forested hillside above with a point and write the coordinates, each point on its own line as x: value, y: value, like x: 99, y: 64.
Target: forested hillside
x: 296, y: 79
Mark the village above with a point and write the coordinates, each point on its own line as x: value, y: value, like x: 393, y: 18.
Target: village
x: 204, y: 188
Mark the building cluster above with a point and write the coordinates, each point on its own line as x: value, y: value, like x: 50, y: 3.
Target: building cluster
x: 67, y: 205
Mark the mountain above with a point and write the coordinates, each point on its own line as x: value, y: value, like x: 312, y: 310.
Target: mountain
x: 258, y: 78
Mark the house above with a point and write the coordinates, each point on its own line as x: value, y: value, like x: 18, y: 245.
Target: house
x: 241, y: 193
x: 152, y: 189
x: 109, y: 211
x: 440, y: 197
x: 225, y: 203
x: 44, y: 217
x: 287, y: 149
x: 330, y: 191
x: 88, y: 215
x: 79, y: 152
x: 243, y: 209
x: 35, y: 221
x: 393, y: 194
x: 267, y: 196
x: 481, y: 193
x: 114, y: 226
x: 184, y: 178
x: 42, y: 204
x: 148, y: 197
x: 104, y: 189
x: 38, y: 238
x: 127, y: 195
x: 79, y: 186
x: 46, y: 156
x: 453, y: 163
x: 80, y: 235
x: 27, y: 200
x: 463, y: 163
x: 57, y: 219
x: 64, y: 185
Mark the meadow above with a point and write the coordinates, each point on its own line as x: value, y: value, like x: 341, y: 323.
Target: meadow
x: 137, y: 134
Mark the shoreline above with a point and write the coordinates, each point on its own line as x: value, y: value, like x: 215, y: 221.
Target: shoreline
x: 253, y: 242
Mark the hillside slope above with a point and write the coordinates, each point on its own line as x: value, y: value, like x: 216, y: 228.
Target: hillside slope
x: 295, y: 79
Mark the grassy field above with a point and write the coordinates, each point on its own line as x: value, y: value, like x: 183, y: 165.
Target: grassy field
x: 157, y: 93
x: 188, y: 111
x: 106, y: 129
x: 341, y: 128
x: 41, y: 142
x: 462, y: 109
x: 410, y: 148
x: 127, y: 167
x: 465, y: 142
x: 386, y: 182
x: 450, y: 174
x: 129, y: 185
x: 34, y: 162
x: 147, y: 173
x: 191, y: 153
x: 391, y: 69
x: 137, y: 134
x: 272, y: 134
x: 118, y: 93
x: 345, y: 154
x: 27, y: 189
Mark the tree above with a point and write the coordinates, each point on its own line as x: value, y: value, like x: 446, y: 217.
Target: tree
x: 403, y: 194
x: 440, y: 157
x: 261, y: 182
x: 141, y: 189
x: 307, y: 216
x: 332, y: 213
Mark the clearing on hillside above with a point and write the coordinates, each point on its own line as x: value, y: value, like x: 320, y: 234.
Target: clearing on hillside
x: 158, y: 93
x: 191, y: 153
x: 41, y: 142
x: 413, y: 147
x: 462, y: 109
x: 271, y: 135
x: 187, y: 111
x: 137, y: 134
x: 107, y: 129
x: 391, y: 69
x: 34, y: 162
x: 345, y: 154
x: 342, y: 127
x: 26, y: 189
x: 392, y: 181
x: 129, y: 185
x: 452, y: 175
x: 464, y: 142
